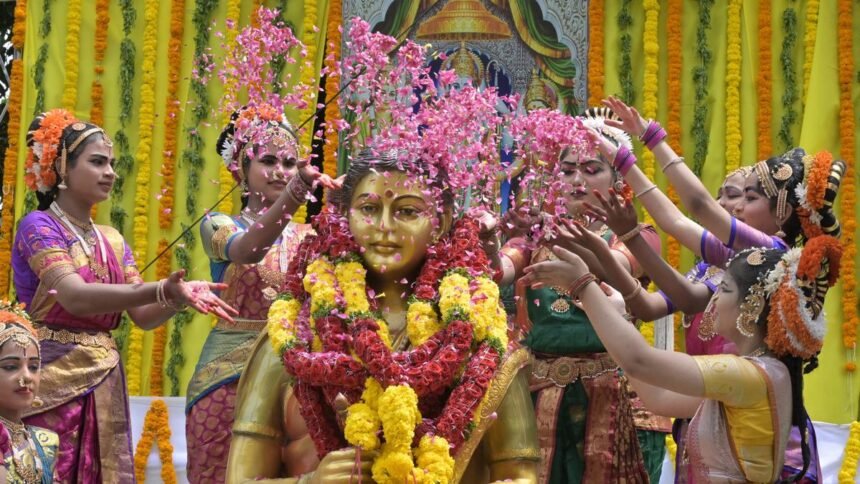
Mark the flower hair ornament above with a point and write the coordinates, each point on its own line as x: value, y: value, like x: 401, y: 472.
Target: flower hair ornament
x: 15, y: 326
x: 40, y: 174
x: 795, y: 289
x: 251, y: 127
x: 817, y: 193
x: 595, y: 118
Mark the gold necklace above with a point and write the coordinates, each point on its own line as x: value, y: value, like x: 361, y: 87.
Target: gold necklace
x: 18, y: 431
x: 20, y: 438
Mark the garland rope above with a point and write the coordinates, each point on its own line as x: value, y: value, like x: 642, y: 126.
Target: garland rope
x: 596, y: 36
x: 733, y: 86
x: 97, y: 91
x: 625, y: 66
x: 763, y: 86
x: 810, y: 30
x: 674, y: 59
x: 73, y: 57
x: 789, y: 94
x: 700, y: 81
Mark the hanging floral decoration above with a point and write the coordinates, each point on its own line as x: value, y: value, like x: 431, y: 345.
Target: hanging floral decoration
x: 789, y: 77
x: 97, y: 91
x: 674, y: 74
x: 763, y: 84
x: 733, y: 86
x: 332, y: 84
x: 125, y: 160
x: 134, y: 356
x: 70, y: 67
x: 596, y: 73
x: 159, y: 340
x: 231, y: 30
x: 848, y: 187
x: 700, y: 81
x: 156, y: 430
x: 625, y: 66
x: 848, y: 470
x: 42, y: 58
x: 10, y: 160
x: 810, y: 30
x: 651, y: 84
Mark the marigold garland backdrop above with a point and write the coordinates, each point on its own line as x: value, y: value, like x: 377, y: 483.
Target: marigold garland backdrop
x: 816, y: 46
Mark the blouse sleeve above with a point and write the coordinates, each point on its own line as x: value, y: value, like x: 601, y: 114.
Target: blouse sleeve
x: 46, y: 251
x: 733, y: 380
x: 217, y: 231
x: 741, y: 237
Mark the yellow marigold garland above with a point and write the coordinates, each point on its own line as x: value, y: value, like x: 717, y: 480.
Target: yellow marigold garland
x: 156, y: 429
x: 308, y: 78
x: 763, y: 85
x: 281, y: 323
x: 102, y: 20
x: 651, y: 83
x: 10, y: 166
x: 596, y: 73
x: 809, y: 33
x: 733, y: 86
x: 70, y: 68
x: 848, y: 470
x: 135, y: 360
x: 225, y: 178
x: 849, y: 197
x: 146, y: 121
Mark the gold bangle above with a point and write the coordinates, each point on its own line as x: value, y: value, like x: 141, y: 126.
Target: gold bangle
x: 580, y: 284
x: 632, y: 233
x: 634, y: 292
x: 677, y: 160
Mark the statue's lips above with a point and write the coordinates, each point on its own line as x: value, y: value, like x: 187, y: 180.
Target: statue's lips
x: 385, y: 248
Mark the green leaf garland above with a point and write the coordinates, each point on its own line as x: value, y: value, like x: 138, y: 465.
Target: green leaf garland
x: 790, y: 92
x: 700, y: 81
x: 125, y: 160
x: 625, y: 67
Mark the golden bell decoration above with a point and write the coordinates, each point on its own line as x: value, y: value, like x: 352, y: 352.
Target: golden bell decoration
x: 464, y: 20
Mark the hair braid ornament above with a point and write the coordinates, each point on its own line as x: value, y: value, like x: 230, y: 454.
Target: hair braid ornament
x: 40, y: 174
x: 797, y: 286
x: 254, y: 126
x: 15, y: 326
x: 817, y: 193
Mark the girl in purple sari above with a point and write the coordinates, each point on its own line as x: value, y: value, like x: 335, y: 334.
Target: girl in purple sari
x: 76, y: 278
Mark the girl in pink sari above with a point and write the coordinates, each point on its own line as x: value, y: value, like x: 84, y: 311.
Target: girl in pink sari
x: 76, y: 279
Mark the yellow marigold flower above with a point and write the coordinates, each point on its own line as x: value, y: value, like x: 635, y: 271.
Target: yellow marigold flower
x: 434, y: 457
x: 351, y: 279
x: 392, y: 466
x: 398, y: 411
x: 422, y: 322
x: 362, y: 427
x: 281, y: 318
x: 454, y: 294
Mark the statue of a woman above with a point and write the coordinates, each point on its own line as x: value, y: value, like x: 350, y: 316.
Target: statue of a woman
x: 429, y: 381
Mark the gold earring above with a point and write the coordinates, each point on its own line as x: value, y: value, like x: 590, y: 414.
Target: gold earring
x: 62, y: 184
x: 751, y: 307
x: 38, y: 402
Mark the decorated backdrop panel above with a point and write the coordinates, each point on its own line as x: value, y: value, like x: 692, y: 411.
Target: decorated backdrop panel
x: 732, y: 81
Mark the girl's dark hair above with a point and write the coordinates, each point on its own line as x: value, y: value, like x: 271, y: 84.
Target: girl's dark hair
x: 67, y: 138
x: 368, y: 161
x: 745, y: 277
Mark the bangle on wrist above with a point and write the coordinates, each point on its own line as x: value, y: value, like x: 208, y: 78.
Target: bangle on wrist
x: 298, y: 189
x: 578, y: 285
x: 163, y: 301
x: 645, y: 191
x: 677, y: 160
x: 635, y: 292
x: 653, y: 134
x: 630, y: 234
x: 624, y: 160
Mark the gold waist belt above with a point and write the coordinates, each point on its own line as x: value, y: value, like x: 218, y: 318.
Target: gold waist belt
x: 564, y: 370
x: 102, y: 339
x: 241, y: 324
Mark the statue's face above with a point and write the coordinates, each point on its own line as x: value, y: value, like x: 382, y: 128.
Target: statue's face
x: 394, y: 222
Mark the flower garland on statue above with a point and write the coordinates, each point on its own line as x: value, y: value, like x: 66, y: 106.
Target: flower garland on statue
x: 848, y: 469
x: 70, y: 68
x: 733, y: 86
x: 763, y: 84
x: 328, y: 331
x: 789, y: 95
x: 143, y: 157
x: 10, y: 161
x: 674, y: 74
x: 156, y: 429
x: 596, y: 72
x: 809, y: 34
x: 848, y: 190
